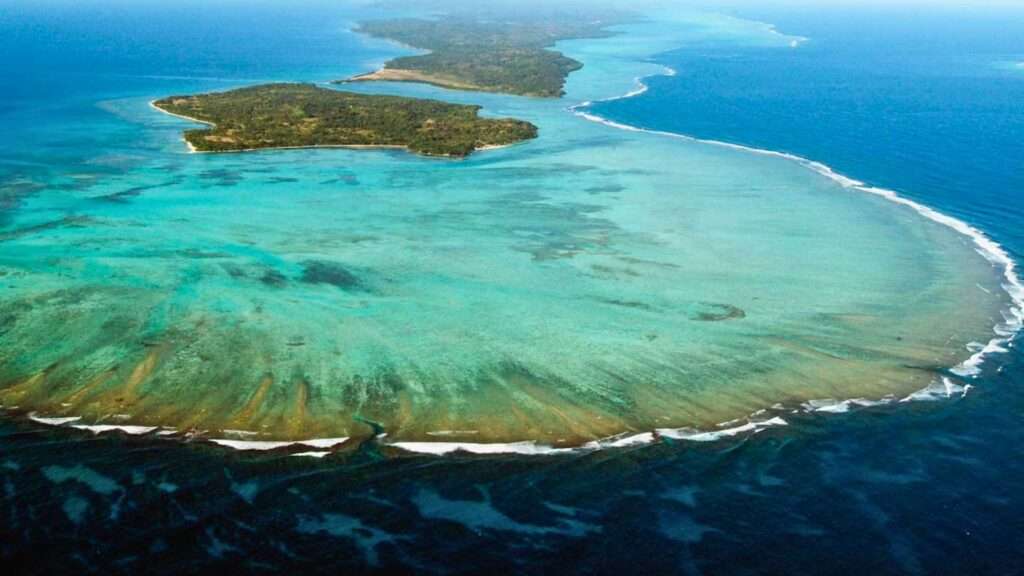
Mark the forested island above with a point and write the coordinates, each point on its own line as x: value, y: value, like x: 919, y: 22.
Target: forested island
x: 305, y: 115
x: 492, y: 55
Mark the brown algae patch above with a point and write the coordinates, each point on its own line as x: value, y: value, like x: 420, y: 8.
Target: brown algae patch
x: 498, y: 296
x: 19, y: 390
x: 139, y: 374
x: 248, y: 413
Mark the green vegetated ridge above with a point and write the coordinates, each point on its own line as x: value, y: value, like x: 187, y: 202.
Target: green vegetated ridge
x: 305, y: 115
x: 503, y: 55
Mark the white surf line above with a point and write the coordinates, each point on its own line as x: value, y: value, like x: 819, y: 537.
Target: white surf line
x: 943, y: 388
x: 311, y: 454
x: 713, y: 435
x: 152, y: 104
x: 842, y: 406
x: 135, y: 430
x: 527, y: 448
x: 622, y: 441
x: 322, y: 443
x: 250, y: 444
x: 532, y: 448
x: 58, y: 421
x: 989, y: 249
x: 191, y: 149
x: 940, y: 389
x: 127, y: 429
x: 641, y: 88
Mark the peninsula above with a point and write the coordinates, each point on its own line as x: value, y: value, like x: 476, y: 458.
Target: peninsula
x: 306, y: 116
x: 508, y: 56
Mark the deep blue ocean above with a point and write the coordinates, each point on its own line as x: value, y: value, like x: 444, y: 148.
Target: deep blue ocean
x: 928, y: 103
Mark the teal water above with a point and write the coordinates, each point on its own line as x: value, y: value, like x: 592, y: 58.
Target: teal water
x: 593, y: 282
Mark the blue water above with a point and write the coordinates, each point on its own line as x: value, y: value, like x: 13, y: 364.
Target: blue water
x: 62, y: 60
x: 918, y: 101
x: 924, y: 104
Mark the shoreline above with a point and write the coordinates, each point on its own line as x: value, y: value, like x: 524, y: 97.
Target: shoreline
x: 385, y: 74
x: 941, y: 388
x: 193, y: 150
x: 992, y: 251
x: 773, y: 417
x: 406, y: 76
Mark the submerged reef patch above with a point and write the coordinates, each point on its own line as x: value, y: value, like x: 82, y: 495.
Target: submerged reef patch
x: 575, y: 289
x: 325, y: 272
x: 713, y: 312
x: 273, y: 278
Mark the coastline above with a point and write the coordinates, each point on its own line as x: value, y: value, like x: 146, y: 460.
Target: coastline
x: 598, y: 352
x: 755, y: 423
x: 193, y: 150
x: 404, y: 75
x: 152, y: 104
x: 992, y: 251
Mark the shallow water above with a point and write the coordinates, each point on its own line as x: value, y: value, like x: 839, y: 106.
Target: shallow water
x: 589, y: 283
x: 901, y: 488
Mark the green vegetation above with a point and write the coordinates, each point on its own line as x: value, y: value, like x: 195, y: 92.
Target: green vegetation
x: 304, y: 115
x: 507, y: 55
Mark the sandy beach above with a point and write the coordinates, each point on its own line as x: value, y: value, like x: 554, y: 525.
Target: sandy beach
x: 403, y: 75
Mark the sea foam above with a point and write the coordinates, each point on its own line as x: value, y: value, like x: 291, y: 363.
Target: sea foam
x: 692, y: 435
x: 104, y: 428
x: 942, y: 388
x: 275, y: 444
x: 1013, y: 316
x: 53, y: 421
x: 529, y: 448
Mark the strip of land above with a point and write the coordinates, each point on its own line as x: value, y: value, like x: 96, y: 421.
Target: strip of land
x: 274, y: 116
x: 508, y: 55
x: 397, y: 75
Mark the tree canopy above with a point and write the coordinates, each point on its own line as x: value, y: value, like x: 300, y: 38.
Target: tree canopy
x: 305, y: 115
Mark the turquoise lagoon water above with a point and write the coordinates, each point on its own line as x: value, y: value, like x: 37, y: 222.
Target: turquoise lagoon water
x: 593, y: 282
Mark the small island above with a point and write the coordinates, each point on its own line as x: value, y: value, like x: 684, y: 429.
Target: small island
x: 307, y: 116
x: 510, y: 55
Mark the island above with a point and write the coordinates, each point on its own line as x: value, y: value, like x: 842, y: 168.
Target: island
x: 292, y: 115
x: 491, y: 55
